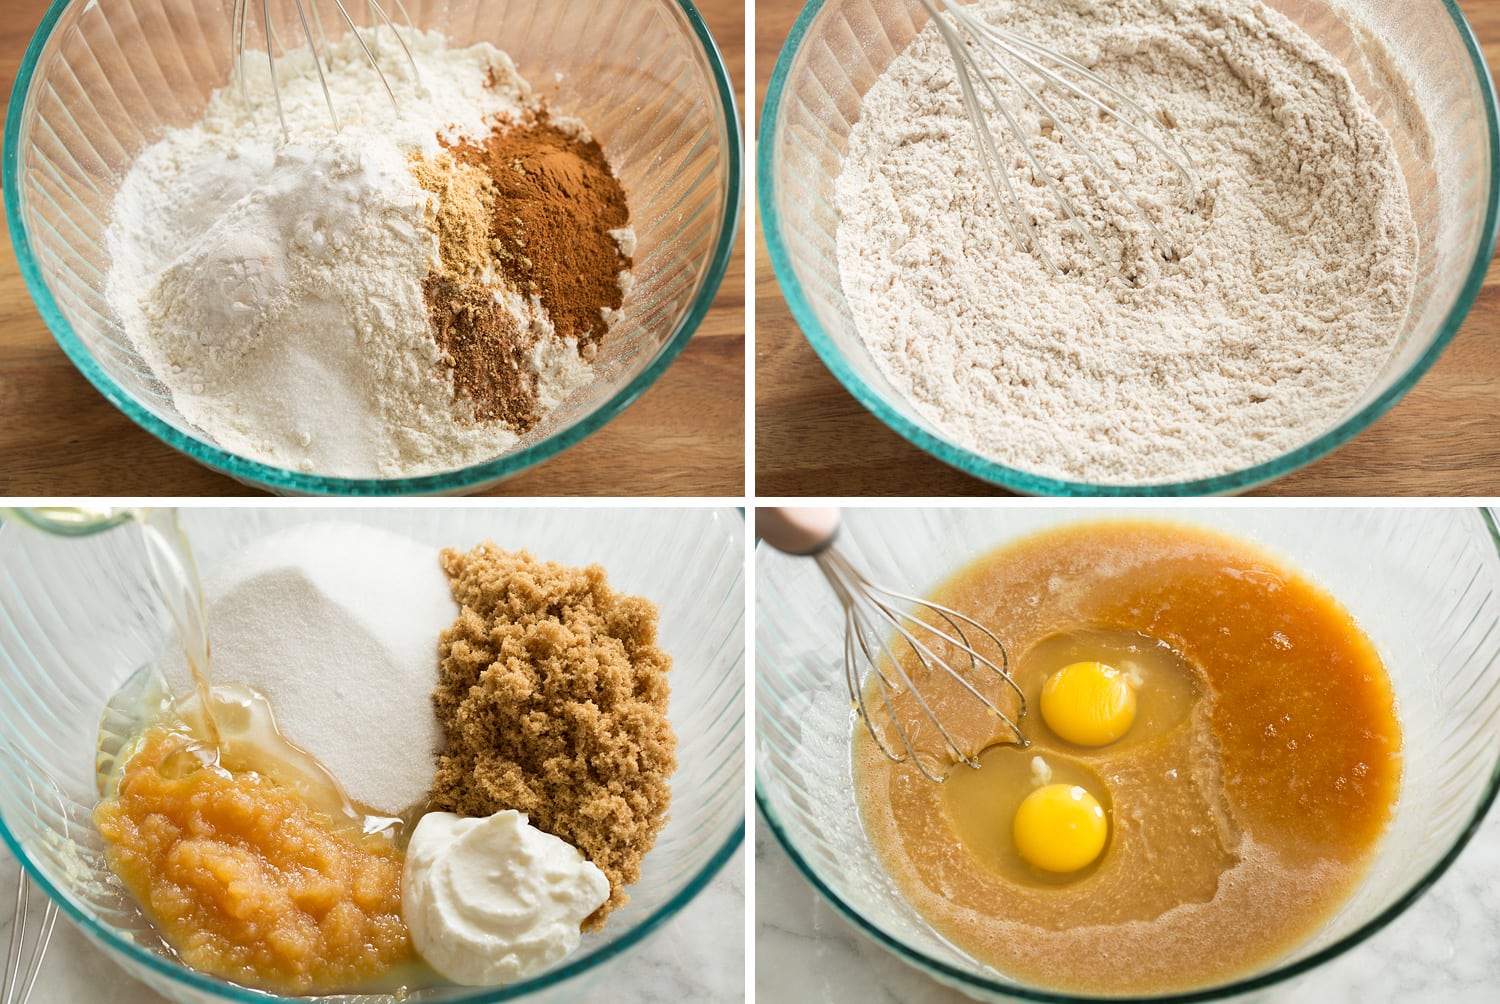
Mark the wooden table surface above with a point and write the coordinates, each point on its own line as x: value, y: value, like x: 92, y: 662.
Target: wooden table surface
x: 813, y: 438
x: 684, y: 436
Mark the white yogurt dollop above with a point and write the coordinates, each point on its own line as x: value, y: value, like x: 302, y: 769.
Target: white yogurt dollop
x: 494, y: 900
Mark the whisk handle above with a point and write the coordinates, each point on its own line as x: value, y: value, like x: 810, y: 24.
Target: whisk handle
x: 796, y: 531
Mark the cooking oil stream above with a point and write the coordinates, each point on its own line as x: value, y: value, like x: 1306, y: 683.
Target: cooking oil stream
x: 231, y: 720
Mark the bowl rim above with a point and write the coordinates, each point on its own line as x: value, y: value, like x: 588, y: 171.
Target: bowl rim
x: 1282, y: 973
x: 1028, y: 483
x: 280, y: 479
x: 551, y: 978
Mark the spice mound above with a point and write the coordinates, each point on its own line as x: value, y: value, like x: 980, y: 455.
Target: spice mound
x: 553, y: 702
x: 409, y: 293
x: 528, y: 221
x: 244, y: 881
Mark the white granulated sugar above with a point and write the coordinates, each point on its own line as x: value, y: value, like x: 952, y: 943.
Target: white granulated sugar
x: 337, y: 625
x: 274, y: 286
x: 1295, y: 276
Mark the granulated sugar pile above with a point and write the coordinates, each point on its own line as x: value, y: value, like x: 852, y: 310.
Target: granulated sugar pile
x: 310, y: 302
x: 1297, y: 262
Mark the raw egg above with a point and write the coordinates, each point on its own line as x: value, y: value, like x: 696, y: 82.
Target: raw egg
x: 1060, y: 828
x: 1089, y: 703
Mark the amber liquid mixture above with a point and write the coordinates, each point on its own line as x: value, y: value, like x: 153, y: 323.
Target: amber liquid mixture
x: 1244, y: 803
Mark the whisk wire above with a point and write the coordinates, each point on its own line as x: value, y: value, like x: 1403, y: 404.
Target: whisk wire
x: 312, y: 31
x: 969, y: 40
x: 923, y: 654
x: 317, y: 65
x: 927, y: 658
x: 989, y: 157
x: 1182, y: 162
x: 271, y: 61
x: 411, y: 61
x: 872, y: 625
x: 1001, y: 42
x: 18, y: 986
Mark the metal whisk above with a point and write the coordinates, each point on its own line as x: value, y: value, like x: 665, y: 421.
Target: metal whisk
x: 878, y: 622
x: 983, y: 53
x: 31, y: 929
x: 17, y: 984
x: 296, y: 13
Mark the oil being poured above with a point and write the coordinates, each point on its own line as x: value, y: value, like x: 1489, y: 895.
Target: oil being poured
x: 229, y: 724
x: 247, y: 832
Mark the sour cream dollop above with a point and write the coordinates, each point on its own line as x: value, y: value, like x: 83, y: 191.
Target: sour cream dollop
x: 491, y: 901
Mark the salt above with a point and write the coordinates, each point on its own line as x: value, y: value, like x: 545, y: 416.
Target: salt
x: 338, y: 624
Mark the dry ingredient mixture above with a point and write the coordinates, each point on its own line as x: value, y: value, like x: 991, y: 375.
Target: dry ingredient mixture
x: 553, y: 699
x: 406, y: 295
x: 1296, y: 271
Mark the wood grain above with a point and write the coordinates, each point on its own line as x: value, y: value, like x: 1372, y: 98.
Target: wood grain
x: 684, y: 436
x: 813, y: 438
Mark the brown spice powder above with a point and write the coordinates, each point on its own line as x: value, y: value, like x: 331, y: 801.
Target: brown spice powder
x: 557, y: 200
x: 486, y: 349
x: 482, y: 344
x: 552, y: 696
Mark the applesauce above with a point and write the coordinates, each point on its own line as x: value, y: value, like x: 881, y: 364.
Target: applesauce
x: 244, y: 880
x: 1244, y: 803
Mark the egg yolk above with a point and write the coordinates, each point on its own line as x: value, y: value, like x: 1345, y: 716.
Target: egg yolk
x: 1089, y: 703
x: 1060, y: 828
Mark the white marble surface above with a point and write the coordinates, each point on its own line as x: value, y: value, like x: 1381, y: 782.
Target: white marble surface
x: 1445, y: 949
x: 698, y: 956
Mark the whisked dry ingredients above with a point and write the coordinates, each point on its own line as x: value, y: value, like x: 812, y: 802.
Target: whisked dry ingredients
x: 347, y: 302
x: 1296, y: 271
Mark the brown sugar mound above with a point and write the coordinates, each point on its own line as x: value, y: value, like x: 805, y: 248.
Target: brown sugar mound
x: 552, y: 696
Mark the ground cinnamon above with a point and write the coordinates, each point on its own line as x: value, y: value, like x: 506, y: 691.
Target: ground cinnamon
x: 556, y: 202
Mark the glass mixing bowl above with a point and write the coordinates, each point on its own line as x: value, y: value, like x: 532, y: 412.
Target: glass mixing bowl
x: 103, y: 79
x: 77, y: 618
x: 1445, y: 131
x: 1423, y: 583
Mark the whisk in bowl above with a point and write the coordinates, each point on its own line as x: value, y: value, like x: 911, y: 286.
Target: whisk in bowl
x: 19, y: 982
x: 983, y: 54
x: 879, y: 624
x: 31, y: 929
x: 305, y: 18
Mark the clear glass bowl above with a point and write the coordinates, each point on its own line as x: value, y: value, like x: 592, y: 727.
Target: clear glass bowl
x: 838, y: 48
x: 77, y: 618
x: 1423, y: 583
x: 103, y: 79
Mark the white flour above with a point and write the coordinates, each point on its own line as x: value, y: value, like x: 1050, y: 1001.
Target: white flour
x: 275, y: 287
x: 1295, y: 278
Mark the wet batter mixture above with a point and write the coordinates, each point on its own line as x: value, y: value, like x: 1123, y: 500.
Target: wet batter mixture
x: 1258, y: 768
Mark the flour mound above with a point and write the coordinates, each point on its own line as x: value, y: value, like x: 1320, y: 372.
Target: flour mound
x: 274, y: 284
x: 1297, y: 260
